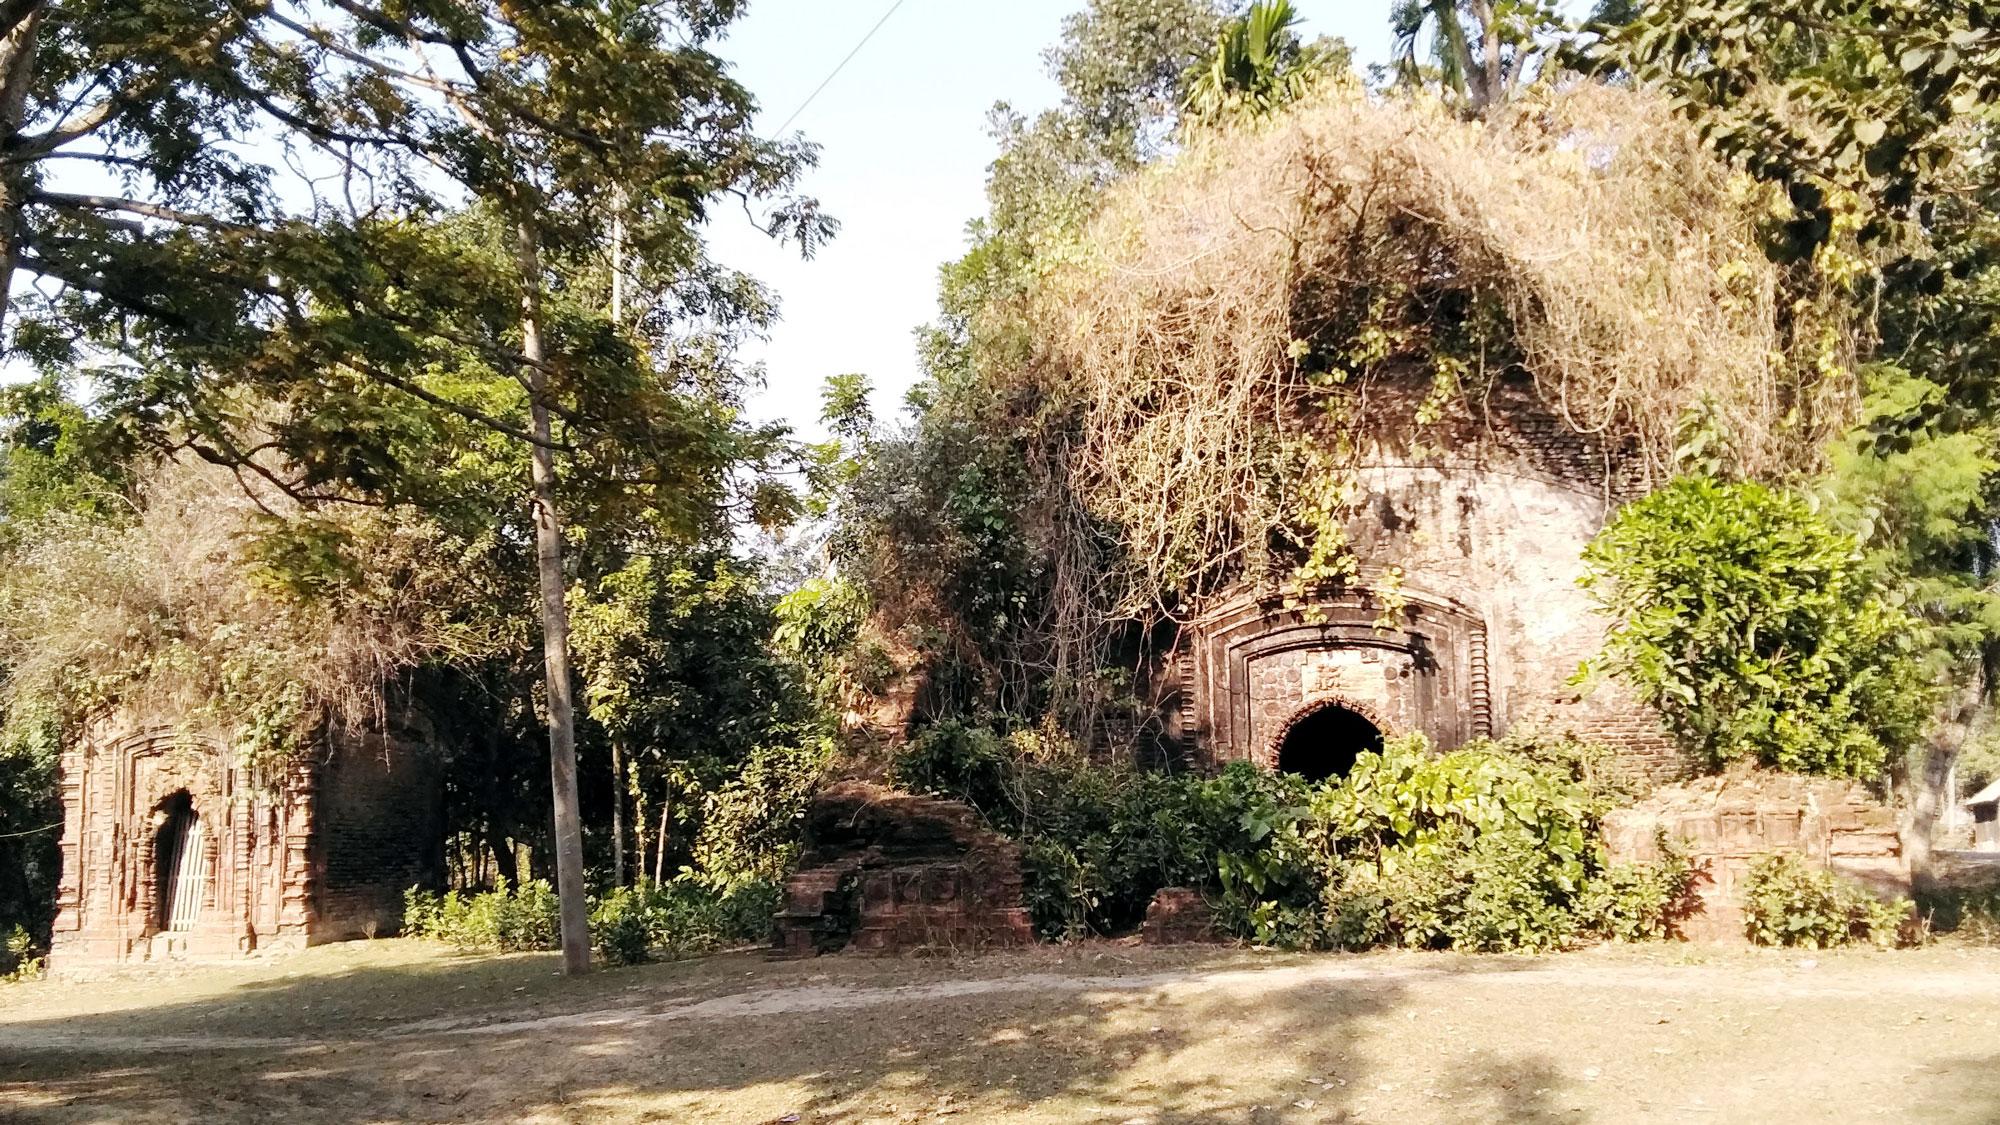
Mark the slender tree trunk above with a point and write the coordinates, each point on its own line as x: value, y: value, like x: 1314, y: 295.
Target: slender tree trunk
x: 555, y: 619
x: 17, y: 74
x: 617, y: 813
x: 1489, y: 38
x: 1453, y: 32
x: 617, y: 749
x: 660, y: 857
x: 639, y: 852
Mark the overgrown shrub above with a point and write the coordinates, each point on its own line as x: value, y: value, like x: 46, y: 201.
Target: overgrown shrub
x: 1489, y: 847
x: 682, y: 918
x: 1098, y: 840
x: 1753, y: 628
x: 508, y: 921
x: 1966, y: 915
x: 1641, y: 901
x: 19, y: 959
x: 1476, y: 849
x: 750, y: 827
x: 1790, y: 903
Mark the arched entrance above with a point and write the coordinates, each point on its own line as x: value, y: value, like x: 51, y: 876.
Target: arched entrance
x: 180, y: 864
x: 1322, y: 742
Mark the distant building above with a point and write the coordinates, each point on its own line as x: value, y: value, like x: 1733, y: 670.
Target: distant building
x: 1985, y: 807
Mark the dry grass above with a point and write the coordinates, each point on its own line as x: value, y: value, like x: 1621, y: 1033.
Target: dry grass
x: 1097, y: 1033
x: 177, y: 616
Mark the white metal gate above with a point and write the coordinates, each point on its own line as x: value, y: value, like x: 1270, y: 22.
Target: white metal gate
x: 190, y: 876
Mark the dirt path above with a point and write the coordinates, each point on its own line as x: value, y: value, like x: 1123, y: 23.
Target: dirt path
x: 399, y: 1031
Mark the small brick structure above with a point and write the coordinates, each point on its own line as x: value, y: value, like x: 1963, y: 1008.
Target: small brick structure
x: 888, y: 872
x: 173, y: 849
x: 1179, y: 916
x: 1729, y: 820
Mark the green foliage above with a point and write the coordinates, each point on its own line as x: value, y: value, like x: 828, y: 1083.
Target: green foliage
x: 1835, y: 99
x: 1490, y: 847
x: 681, y: 918
x: 1481, y: 54
x: 1099, y: 840
x: 1752, y: 627
x: 1259, y: 65
x: 751, y: 824
x: 1789, y: 902
x: 19, y: 960
x: 1642, y: 901
x: 1965, y: 914
x: 503, y: 920
x: 1476, y: 849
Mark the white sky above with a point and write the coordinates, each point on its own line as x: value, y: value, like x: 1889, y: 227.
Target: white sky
x: 903, y: 164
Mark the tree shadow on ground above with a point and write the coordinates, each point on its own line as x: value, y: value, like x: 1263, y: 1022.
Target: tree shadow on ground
x: 1165, y: 1037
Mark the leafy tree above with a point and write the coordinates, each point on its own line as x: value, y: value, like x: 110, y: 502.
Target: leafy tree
x: 1752, y: 626
x: 1876, y: 121
x: 1259, y: 64
x: 680, y: 672
x: 1836, y: 100
x: 1483, y: 51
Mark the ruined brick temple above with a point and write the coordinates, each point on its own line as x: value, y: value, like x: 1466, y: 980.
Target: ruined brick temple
x: 1476, y: 527
x: 171, y: 848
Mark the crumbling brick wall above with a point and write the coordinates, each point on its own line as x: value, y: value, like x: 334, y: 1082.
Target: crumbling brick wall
x: 887, y: 872
x: 1726, y: 822
x: 380, y: 833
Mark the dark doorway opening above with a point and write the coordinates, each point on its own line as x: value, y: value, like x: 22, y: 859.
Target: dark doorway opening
x: 1323, y: 743
x: 180, y: 861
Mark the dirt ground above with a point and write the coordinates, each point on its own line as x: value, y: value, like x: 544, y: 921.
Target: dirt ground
x: 400, y: 1031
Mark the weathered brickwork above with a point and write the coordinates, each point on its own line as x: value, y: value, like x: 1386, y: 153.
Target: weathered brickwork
x: 1477, y: 527
x: 1726, y: 822
x: 886, y: 872
x: 319, y: 852
x: 1179, y: 916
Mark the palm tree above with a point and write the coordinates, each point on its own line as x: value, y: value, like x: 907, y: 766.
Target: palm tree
x: 1482, y: 50
x: 1260, y: 64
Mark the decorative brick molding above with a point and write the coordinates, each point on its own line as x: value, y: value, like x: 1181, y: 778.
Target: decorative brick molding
x: 887, y: 872
x: 1727, y: 821
x: 1257, y: 666
x: 320, y: 851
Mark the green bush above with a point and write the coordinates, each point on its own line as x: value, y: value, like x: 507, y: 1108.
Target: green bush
x: 683, y: 918
x: 527, y: 918
x: 621, y: 928
x: 1481, y: 848
x: 750, y: 827
x: 1642, y: 901
x: 19, y: 960
x: 1490, y: 847
x: 1098, y: 840
x: 1790, y: 903
x: 1967, y: 915
x: 1753, y: 628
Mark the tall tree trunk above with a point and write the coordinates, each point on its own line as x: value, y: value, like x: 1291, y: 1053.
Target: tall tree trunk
x: 17, y: 75
x: 1453, y: 33
x: 1931, y: 772
x: 617, y: 749
x: 555, y: 618
x: 617, y: 814
x: 1489, y: 46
